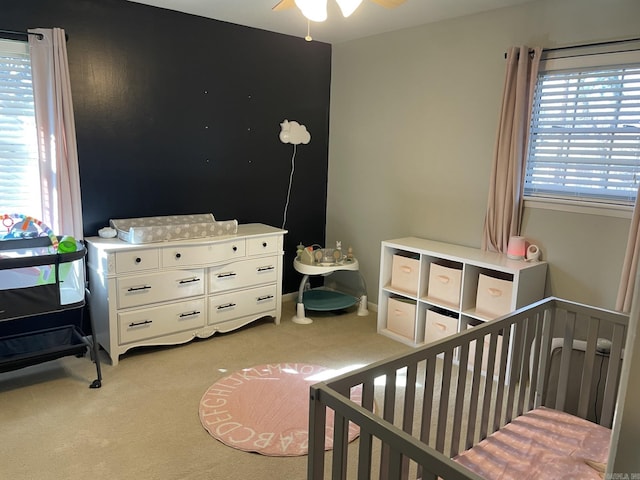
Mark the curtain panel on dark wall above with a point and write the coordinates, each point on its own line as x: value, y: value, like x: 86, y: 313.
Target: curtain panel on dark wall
x: 55, y: 125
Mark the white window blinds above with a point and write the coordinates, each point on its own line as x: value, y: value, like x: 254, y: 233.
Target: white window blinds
x: 585, y: 134
x: 19, y: 174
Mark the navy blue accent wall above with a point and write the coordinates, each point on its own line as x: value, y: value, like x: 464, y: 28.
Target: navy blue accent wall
x: 180, y: 114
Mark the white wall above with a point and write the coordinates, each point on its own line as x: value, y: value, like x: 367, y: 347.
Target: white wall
x: 412, y: 128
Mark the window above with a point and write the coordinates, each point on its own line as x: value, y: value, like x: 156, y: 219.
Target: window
x: 19, y: 173
x: 584, y: 139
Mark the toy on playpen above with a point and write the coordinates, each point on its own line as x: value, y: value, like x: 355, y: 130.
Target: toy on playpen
x: 19, y: 226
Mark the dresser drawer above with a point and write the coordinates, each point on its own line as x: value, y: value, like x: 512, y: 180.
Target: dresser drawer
x: 188, y: 255
x: 262, y: 245
x: 153, y: 322
x: 137, y: 260
x: 243, y: 274
x: 239, y: 304
x: 159, y: 287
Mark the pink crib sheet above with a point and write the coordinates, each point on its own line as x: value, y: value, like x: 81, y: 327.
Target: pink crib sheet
x: 542, y: 444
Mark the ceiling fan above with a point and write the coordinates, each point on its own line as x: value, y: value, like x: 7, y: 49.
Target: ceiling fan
x: 316, y: 10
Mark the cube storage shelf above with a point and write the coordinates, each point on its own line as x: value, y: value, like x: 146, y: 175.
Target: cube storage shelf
x: 429, y: 290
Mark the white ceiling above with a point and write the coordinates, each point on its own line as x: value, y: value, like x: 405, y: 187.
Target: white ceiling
x: 369, y: 19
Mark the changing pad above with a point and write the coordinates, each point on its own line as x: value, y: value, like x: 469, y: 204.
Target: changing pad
x: 172, y: 227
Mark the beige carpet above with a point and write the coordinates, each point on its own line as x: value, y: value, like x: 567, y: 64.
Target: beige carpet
x: 143, y: 423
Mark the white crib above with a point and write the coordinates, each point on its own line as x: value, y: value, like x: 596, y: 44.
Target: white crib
x: 451, y: 409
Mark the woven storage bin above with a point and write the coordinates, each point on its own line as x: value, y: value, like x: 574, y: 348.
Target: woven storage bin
x: 404, y: 274
x: 401, y: 317
x: 444, y: 284
x: 494, y: 296
x: 439, y: 326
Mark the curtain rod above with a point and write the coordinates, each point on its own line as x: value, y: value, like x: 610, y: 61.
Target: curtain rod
x: 596, y: 44
x: 586, y: 45
x: 22, y: 34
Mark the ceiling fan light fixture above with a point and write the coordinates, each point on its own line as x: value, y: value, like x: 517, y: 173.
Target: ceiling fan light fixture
x: 348, y: 6
x: 314, y: 10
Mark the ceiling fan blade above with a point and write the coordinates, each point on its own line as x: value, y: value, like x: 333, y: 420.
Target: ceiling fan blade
x: 389, y: 3
x: 283, y: 5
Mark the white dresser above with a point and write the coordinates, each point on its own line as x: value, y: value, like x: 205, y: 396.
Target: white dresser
x: 171, y: 292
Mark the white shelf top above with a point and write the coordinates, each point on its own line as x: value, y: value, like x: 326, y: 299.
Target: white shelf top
x: 459, y: 253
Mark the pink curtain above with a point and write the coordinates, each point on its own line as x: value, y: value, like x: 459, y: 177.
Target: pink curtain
x: 58, y: 154
x: 504, y: 207
x: 630, y: 265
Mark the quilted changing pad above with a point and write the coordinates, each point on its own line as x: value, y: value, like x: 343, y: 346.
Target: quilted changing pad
x: 172, y: 227
x: 541, y: 444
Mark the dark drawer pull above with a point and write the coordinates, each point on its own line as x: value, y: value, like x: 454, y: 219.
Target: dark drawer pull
x: 190, y: 314
x: 265, y: 297
x: 190, y: 280
x: 138, y: 259
x: 264, y: 244
x: 227, y: 274
x: 137, y: 289
x: 178, y: 255
x: 235, y: 249
x: 226, y: 305
x: 266, y: 269
x: 139, y: 324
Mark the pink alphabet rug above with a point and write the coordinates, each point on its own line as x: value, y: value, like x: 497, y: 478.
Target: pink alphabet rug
x: 265, y: 409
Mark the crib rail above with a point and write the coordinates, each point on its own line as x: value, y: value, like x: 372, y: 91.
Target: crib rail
x: 419, y: 410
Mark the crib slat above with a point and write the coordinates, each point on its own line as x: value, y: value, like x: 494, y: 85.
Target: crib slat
x: 537, y: 343
x: 565, y: 359
x: 388, y: 413
x: 395, y: 464
x: 317, y: 421
x: 366, y: 440
x: 588, y: 368
x: 516, y: 355
x: 427, y: 403
x: 459, y: 400
x: 364, y: 455
x: 545, y: 350
x: 444, y: 400
x: 340, y: 436
x: 502, y: 375
x: 523, y: 367
x: 427, y: 399
x: 613, y: 376
x: 390, y: 395
x: 409, y: 409
x: 475, y: 394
